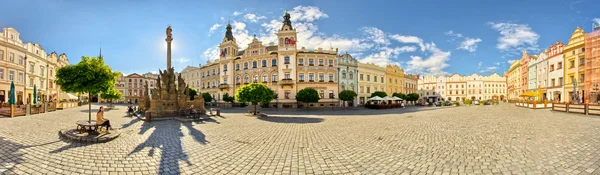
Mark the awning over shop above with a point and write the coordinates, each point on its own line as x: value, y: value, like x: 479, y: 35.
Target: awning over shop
x: 529, y: 94
x: 67, y: 96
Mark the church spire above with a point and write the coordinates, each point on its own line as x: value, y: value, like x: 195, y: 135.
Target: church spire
x: 228, y: 33
x: 100, y: 55
x: 287, y: 21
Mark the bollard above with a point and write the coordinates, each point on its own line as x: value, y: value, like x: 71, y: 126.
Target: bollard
x: 148, y: 116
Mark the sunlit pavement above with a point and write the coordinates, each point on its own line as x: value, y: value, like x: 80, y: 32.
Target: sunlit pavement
x: 500, y: 139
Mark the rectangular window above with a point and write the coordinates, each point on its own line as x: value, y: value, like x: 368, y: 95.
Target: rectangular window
x: 368, y: 89
x: 552, y: 81
x: 382, y: 80
x: 12, y: 57
x: 572, y: 78
x: 320, y: 62
x: 368, y: 77
x: 301, y: 61
x: 1, y: 74
x: 1, y: 54
x: 581, y: 61
x: 321, y: 77
x: 264, y: 63
x: 287, y: 76
x: 20, y: 78
x: 581, y: 78
x: 254, y: 64
x: 330, y: 63
x: 21, y: 60
x: 224, y: 80
x: 331, y: 94
x: 287, y: 94
x: 286, y: 60
x: 572, y: 64
x: 42, y: 71
x: 559, y: 66
x: 237, y: 67
x: 224, y: 69
x: 301, y: 76
x: 331, y: 77
x: 351, y: 76
x: 311, y: 77
x: 374, y: 78
x: 560, y: 81
x: 31, y: 68
x: 311, y: 62
x: 321, y: 94
x: 11, y: 75
x: 551, y: 68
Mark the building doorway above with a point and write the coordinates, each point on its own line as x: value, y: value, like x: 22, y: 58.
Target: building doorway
x: 502, y: 97
x: 2, y: 96
x: 94, y: 99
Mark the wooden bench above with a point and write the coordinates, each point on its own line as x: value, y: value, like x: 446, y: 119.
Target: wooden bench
x: 85, y: 126
x: 251, y: 112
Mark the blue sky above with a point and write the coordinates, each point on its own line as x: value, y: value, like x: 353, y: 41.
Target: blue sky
x: 426, y: 37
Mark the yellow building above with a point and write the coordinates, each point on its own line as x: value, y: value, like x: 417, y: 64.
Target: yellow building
x: 394, y: 79
x: 191, y: 76
x: 411, y: 82
x: 513, y: 80
x: 281, y: 67
x: 371, y: 78
x: 27, y: 64
x: 575, y: 65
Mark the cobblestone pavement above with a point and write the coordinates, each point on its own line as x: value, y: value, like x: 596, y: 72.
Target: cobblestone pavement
x: 501, y: 139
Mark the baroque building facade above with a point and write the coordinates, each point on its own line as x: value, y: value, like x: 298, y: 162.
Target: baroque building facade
x: 574, y: 57
x: 348, y: 75
x: 27, y: 65
x: 394, y: 79
x: 371, y: 78
x: 458, y: 88
x: 132, y: 86
x: 191, y: 76
x: 555, y: 91
x: 513, y: 80
x: 282, y: 67
x: 410, y: 83
x: 592, y: 65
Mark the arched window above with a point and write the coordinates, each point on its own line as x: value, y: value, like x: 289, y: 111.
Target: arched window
x: 237, y: 80
x: 264, y: 78
x: 246, y: 79
x: 274, y: 62
x: 274, y: 77
x: 254, y: 64
x: 255, y: 78
x: 246, y: 65
x: 264, y: 63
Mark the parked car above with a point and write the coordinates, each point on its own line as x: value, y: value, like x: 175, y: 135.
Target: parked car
x: 438, y: 103
x: 447, y: 103
x: 488, y: 102
x: 475, y: 102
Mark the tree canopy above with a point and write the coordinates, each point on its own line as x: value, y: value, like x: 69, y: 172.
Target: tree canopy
x: 308, y: 95
x: 192, y: 93
x: 207, y: 97
x: 90, y: 76
x: 111, y: 94
x: 254, y: 93
x: 400, y: 95
x: 347, y: 95
x: 412, y: 97
x: 228, y: 98
x: 379, y: 94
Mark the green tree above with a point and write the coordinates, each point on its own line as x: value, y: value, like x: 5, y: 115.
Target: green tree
x: 89, y: 76
x: 228, y: 98
x: 192, y: 93
x: 207, y: 97
x: 347, y: 95
x: 412, y: 97
x: 111, y: 94
x: 307, y: 95
x: 379, y: 93
x: 400, y: 95
x: 254, y: 93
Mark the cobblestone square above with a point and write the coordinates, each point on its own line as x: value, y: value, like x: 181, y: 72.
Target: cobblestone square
x: 498, y: 139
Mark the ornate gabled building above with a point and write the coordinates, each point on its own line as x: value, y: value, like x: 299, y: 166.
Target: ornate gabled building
x: 394, y: 79
x: 348, y: 75
x: 283, y: 67
x: 513, y: 80
x: 574, y: 57
x: 555, y: 88
x: 458, y: 88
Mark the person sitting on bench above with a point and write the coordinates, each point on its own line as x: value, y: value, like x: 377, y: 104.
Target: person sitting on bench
x: 130, y: 109
x: 101, y: 121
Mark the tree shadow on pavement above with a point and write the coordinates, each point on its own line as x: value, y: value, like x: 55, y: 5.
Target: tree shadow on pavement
x: 300, y: 120
x: 10, y: 156
x: 196, y: 134
x: 165, y: 137
x: 71, y: 145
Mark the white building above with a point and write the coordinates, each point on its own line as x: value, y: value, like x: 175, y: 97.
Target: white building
x: 556, y: 73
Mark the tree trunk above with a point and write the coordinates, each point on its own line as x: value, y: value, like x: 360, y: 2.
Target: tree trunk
x: 89, y: 107
x: 255, y: 108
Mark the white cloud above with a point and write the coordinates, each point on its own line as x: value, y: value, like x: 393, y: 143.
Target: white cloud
x: 433, y: 65
x: 236, y: 13
x: 597, y: 21
x: 213, y: 28
x: 489, y: 69
x: 382, y: 57
x: 306, y: 14
x: 511, y: 61
x: 406, y: 39
x: 497, y: 63
x: 376, y: 35
x: 253, y: 17
x: 515, y: 37
x: 453, y: 34
x: 183, y: 60
x: 211, y: 53
x: 469, y: 44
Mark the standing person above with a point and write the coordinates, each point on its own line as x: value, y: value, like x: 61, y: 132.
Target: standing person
x: 101, y: 121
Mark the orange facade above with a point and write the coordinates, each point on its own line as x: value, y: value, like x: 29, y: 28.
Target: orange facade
x: 592, y: 66
x: 524, y: 71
